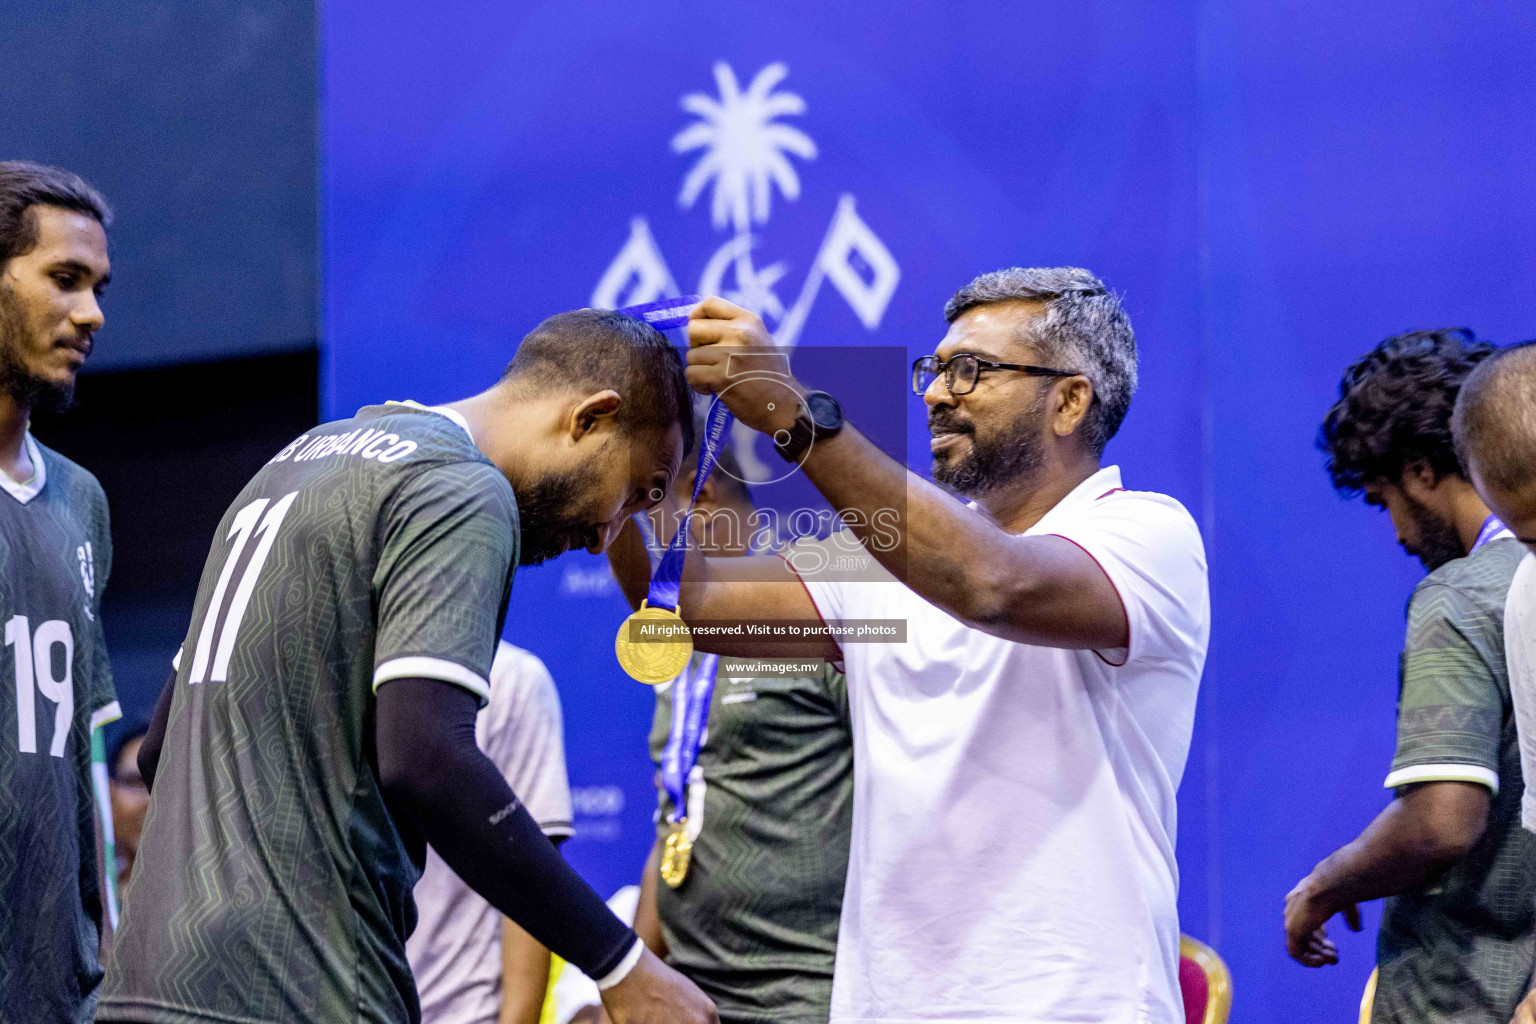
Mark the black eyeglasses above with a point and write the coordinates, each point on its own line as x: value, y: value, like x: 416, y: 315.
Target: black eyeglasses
x: 962, y: 372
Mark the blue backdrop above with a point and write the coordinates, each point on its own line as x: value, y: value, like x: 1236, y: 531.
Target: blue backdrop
x: 1271, y: 190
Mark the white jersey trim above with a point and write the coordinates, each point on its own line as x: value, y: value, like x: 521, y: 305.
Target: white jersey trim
x: 441, y: 410
x: 621, y: 972
x: 1443, y: 773
x: 105, y: 714
x: 25, y: 492
x: 418, y: 667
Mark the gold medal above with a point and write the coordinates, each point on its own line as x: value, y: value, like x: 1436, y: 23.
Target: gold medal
x: 676, y: 854
x: 654, y: 662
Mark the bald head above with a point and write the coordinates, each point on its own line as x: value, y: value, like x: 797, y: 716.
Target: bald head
x: 1494, y: 425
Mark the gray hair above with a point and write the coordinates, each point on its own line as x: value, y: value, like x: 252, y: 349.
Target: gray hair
x: 1084, y: 329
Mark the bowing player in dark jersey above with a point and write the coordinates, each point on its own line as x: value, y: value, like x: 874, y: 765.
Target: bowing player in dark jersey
x: 319, y: 728
x: 55, y: 552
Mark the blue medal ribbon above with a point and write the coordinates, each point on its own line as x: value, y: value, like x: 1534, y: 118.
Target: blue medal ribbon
x: 692, y: 691
x: 667, y: 575
x: 1492, y: 527
x: 653, y: 548
x: 695, y: 685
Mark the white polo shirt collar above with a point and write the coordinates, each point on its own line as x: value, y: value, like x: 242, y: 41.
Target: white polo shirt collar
x: 1100, y: 485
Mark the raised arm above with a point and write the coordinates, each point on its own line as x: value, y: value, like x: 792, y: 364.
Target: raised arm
x: 1037, y: 589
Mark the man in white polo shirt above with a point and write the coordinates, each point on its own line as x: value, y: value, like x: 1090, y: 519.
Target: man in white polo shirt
x: 1017, y: 754
x: 471, y: 964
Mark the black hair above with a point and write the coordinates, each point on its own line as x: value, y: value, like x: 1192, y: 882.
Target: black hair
x: 601, y: 349
x: 25, y: 185
x: 1394, y: 408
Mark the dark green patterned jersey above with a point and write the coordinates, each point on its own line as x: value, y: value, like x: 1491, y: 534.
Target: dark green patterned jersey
x: 272, y: 885
x: 754, y: 923
x: 1459, y: 948
x: 55, y: 553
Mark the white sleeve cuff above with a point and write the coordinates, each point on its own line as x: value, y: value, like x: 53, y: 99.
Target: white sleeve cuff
x: 1114, y: 657
x: 621, y: 972
x: 1444, y: 773
x: 108, y: 713
x: 432, y: 668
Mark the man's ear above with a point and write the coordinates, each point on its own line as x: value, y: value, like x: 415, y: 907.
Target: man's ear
x: 1073, y: 397
x: 1419, y: 472
x: 592, y: 410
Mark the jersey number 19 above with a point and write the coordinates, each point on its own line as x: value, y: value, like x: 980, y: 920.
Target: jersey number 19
x: 33, y: 658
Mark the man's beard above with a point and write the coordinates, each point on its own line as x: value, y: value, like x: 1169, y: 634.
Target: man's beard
x: 543, y: 513
x: 1012, y: 454
x: 1438, y: 540
x: 15, y: 379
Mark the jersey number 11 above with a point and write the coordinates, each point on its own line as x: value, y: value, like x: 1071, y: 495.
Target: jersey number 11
x: 245, y: 524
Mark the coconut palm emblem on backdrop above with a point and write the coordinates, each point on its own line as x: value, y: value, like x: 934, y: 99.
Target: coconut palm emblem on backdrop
x: 745, y: 153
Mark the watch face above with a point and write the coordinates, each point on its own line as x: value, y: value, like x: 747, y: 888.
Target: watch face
x: 826, y: 413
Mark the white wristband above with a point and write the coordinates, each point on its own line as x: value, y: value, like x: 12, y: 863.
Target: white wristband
x: 621, y: 972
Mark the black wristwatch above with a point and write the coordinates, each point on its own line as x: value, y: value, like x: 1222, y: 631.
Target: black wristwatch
x: 824, y: 421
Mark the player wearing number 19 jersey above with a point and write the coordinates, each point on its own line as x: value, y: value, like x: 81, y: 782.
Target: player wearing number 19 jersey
x: 319, y: 727
x: 55, y: 550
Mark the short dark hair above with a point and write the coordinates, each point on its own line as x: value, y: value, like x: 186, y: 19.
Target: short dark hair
x: 1495, y: 419
x: 600, y: 349
x: 24, y: 185
x: 1394, y: 408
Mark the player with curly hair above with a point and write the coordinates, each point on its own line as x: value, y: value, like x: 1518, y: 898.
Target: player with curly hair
x: 1458, y: 872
